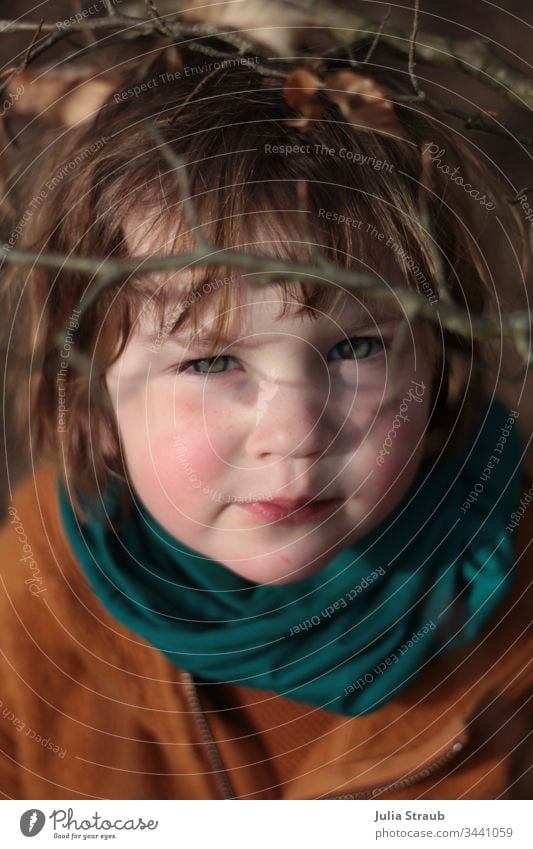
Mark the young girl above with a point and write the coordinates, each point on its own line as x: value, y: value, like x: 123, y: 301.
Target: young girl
x: 266, y: 549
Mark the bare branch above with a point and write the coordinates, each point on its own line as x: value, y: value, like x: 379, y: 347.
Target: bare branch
x: 412, y: 51
x: 36, y: 35
x: 472, y: 56
x: 37, y: 50
x: 425, y: 223
x: 520, y: 193
x: 25, y: 61
x: 377, y: 36
x: 154, y: 14
x: 109, y: 270
x: 76, y: 26
x: 179, y: 167
x: 205, y: 79
x: 88, y: 35
x: 464, y: 55
x: 479, y: 122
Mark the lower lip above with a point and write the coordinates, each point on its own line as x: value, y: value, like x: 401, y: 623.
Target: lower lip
x: 290, y: 515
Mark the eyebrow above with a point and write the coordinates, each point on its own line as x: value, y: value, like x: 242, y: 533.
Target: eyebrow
x: 377, y: 313
x: 200, y: 341
x: 210, y: 342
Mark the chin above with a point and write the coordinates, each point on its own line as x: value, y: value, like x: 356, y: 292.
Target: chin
x: 280, y: 572
x: 296, y: 575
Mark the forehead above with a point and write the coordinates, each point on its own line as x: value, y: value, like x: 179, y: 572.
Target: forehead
x: 204, y: 294
x: 252, y: 308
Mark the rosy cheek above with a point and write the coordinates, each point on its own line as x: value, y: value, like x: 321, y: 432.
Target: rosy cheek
x: 198, y: 462
x: 189, y: 462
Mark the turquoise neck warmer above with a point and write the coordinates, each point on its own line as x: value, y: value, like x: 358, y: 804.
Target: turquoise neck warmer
x: 351, y: 637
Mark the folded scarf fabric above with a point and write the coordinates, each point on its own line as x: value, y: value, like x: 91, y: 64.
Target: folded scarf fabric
x: 351, y: 637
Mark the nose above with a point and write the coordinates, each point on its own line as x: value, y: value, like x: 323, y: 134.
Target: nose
x: 292, y: 419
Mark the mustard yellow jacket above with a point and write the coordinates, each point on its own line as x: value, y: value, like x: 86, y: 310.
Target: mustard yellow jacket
x: 89, y: 710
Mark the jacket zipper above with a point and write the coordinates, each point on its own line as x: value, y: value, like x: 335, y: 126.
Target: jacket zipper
x: 207, y: 738
x: 225, y: 784
x: 374, y: 792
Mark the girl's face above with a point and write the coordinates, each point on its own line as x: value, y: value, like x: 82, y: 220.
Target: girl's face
x: 292, y: 410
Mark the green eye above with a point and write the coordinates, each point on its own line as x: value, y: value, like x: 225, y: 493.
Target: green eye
x: 214, y: 365
x: 359, y: 347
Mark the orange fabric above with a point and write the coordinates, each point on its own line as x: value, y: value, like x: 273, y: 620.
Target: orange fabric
x: 284, y: 728
x: 90, y: 710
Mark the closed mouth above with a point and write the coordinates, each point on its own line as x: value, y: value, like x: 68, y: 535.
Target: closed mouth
x: 291, y: 511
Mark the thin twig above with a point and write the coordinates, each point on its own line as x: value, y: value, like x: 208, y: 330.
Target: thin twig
x: 520, y: 194
x: 154, y: 14
x: 109, y: 270
x: 111, y: 11
x: 27, y: 55
x: 425, y: 223
x: 88, y: 35
x: 39, y: 48
x: 179, y: 168
x: 472, y: 56
x: 412, y: 52
x: 468, y: 55
x: 471, y: 122
x: 377, y: 36
x: 233, y: 39
x: 478, y: 122
x: 177, y: 112
x: 26, y: 59
x: 76, y: 26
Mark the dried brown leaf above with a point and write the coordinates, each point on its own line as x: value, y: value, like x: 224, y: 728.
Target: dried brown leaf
x: 301, y: 92
x: 363, y: 102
